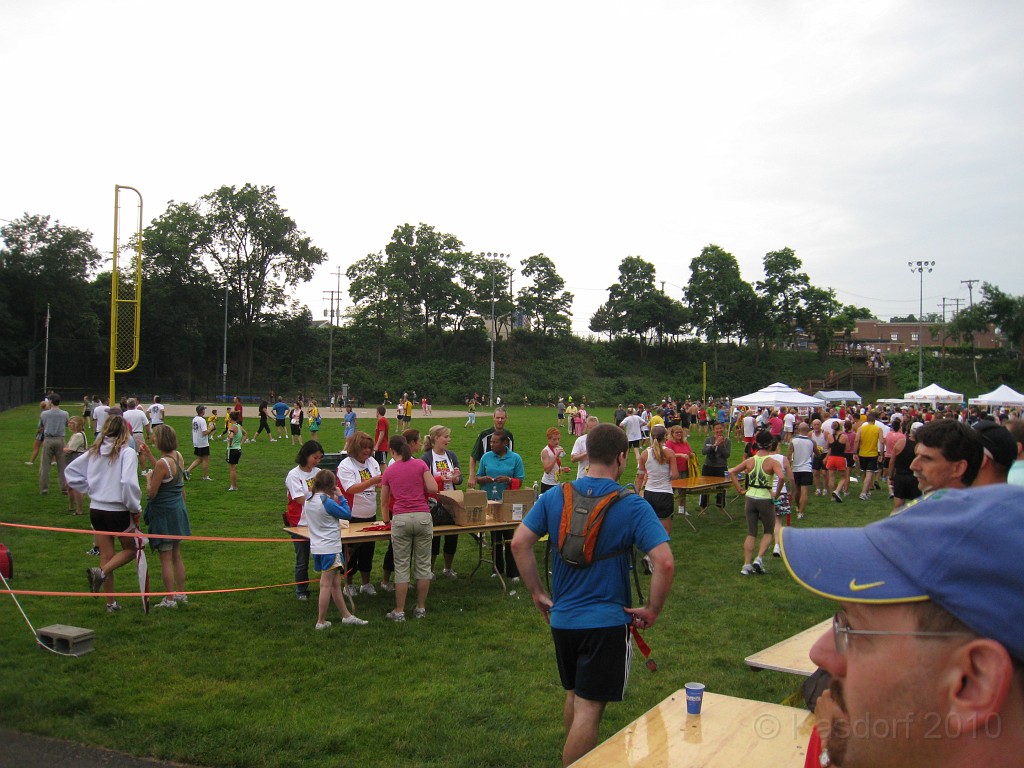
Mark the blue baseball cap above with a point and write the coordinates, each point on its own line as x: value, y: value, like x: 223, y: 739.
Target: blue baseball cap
x: 959, y: 548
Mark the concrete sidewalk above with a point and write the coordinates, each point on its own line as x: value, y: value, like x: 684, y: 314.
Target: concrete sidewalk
x: 20, y: 750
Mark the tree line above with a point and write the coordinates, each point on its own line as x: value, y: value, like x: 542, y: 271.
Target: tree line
x: 236, y: 253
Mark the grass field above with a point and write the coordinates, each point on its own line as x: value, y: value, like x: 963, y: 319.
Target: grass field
x: 242, y: 679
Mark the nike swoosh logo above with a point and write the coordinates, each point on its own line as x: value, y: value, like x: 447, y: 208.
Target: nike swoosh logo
x: 855, y: 587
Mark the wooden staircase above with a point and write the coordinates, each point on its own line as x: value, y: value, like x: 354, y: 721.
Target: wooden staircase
x: 858, y: 378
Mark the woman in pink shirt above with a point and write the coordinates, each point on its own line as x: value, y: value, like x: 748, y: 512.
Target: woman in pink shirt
x: 677, y: 444
x: 403, y: 502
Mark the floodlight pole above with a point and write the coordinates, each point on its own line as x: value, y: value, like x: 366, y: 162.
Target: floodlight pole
x: 224, y: 368
x: 494, y: 331
x: 920, y: 267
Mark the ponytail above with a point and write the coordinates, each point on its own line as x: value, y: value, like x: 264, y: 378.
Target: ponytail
x: 400, y: 445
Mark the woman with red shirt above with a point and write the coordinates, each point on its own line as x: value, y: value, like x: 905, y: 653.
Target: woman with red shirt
x: 677, y: 444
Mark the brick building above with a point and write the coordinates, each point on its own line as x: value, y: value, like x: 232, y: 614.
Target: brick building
x: 902, y: 337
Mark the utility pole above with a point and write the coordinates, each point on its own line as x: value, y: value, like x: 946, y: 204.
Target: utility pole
x: 335, y: 298
x: 970, y: 290
x: 970, y: 294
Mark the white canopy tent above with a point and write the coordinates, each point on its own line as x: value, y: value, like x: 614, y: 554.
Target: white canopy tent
x: 838, y: 396
x: 778, y: 395
x: 934, y: 394
x: 1000, y: 396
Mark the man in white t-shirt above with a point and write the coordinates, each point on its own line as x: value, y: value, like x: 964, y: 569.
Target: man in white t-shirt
x: 139, y: 423
x: 99, y: 415
x: 633, y: 426
x: 749, y: 426
x: 156, y: 412
x: 201, y: 442
x: 137, y: 419
x: 788, y: 423
x: 579, y: 448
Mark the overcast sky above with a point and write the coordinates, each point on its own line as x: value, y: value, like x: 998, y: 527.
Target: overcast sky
x: 860, y: 135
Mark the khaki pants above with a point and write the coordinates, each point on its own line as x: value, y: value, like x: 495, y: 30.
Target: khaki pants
x: 52, y: 448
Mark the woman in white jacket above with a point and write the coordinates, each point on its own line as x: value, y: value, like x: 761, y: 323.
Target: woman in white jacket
x: 109, y: 473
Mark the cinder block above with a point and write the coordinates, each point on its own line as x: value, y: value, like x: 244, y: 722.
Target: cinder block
x: 75, y: 641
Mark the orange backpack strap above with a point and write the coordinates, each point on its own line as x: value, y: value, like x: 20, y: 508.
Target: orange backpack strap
x: 580, y: 525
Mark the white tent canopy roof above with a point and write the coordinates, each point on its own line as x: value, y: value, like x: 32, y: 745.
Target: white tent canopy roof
x: 778, y: 395
x: 1001, y: 395
x: 933, y: 393
x: 838, y: 395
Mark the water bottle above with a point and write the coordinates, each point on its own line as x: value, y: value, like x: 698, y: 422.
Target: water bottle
x: 536, y: 489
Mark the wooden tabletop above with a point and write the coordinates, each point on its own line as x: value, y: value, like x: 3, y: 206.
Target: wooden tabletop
x: 791, y: 655
x: 355, y: 533
x: 729, y: 733
x: 701, y: 483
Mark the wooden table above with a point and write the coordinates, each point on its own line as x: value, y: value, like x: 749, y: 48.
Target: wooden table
x: 356, y: 533
x: 702, y: 484
x: 729, y: 733
x: 792, y: 654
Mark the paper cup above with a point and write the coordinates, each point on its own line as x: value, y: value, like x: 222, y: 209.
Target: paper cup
x: 694, y: 697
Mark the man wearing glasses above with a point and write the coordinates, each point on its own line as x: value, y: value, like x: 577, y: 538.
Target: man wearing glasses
x: 926, y: 652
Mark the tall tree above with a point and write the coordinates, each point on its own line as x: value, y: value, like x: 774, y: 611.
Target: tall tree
x: 43, y: 263
x: 378, y: 297
x: 782, y: 288
x: 635, y: 300
x: 821, y: 317
x: 714, y: 295
x: 606, y: 320
x: 427, y: 260
x: 545, y: 301
x: 1007, y: 312
x: 258, y: 251
x: 180, y: 308
x: 965, y: 324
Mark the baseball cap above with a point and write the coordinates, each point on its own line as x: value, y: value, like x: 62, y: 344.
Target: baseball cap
x: 999, y: 444
x: 958, y: 548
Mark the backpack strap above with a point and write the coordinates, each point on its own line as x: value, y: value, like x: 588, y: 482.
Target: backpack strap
x: 595, y: 518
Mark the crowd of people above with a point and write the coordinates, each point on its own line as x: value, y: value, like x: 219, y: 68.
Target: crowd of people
x: 931, y: 462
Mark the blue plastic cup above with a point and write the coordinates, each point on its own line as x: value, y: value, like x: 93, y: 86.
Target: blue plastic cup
x: 694, y: 697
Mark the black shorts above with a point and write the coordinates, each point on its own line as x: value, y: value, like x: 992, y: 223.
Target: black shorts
x: 594, y: 663
x: 296, y: 429
x: 234, y: 455
x: 662, y: 502
x: 850, y: 463
x: 868, y: 463
x: 112, y: 521
x: 803, y: 478
x: 762, y: 510
x: 203, y: 451
x: 634, y: 443
x: 279, y: 422
x: 905, y: 487
x: 818, y: 462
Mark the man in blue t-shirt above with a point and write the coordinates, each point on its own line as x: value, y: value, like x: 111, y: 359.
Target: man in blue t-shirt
x: 590, y: 608
x: 280, y: 409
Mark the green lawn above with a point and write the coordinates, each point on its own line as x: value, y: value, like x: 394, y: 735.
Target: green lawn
x: 242, y: 679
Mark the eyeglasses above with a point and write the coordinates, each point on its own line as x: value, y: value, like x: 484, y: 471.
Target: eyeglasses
x: 841, y: 633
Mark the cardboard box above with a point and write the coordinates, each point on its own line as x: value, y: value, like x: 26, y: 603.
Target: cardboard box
x: 467, y: 507
x: 514, y: 506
